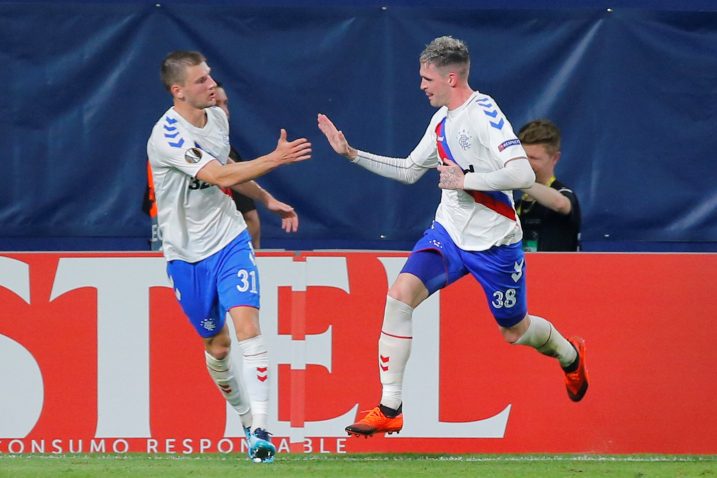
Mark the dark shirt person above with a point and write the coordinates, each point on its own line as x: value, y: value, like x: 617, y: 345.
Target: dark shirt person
x: 549, y: 210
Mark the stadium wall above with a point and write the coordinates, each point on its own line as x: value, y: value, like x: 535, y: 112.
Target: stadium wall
x: 96, y: 356
x: 633, y: 87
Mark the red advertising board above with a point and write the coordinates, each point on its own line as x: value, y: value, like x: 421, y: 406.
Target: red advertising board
x: 96, y: 356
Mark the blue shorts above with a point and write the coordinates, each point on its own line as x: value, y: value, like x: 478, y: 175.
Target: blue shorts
x: 207, y: 289
x: 500, y: 270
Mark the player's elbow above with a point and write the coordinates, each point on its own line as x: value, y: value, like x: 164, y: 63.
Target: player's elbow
x: 214, y: 173
x: 526, y: 178
x: 220, y: 180
x: 521, y: 172
x: 225, y: 181
x: 407, y: 180
x: 411, y: 175
x: 562, y: 205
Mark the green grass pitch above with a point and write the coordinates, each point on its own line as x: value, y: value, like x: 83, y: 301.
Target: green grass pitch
x: 359, y: 465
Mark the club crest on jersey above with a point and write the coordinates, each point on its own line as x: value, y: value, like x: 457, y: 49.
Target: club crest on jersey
x: 193, y: 155
x: 508, y: 144
x: 464, y: 139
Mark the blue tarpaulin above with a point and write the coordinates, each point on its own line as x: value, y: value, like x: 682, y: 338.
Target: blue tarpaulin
x: 634, y: 91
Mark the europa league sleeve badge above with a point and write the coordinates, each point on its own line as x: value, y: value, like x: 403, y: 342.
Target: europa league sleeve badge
x: 193, y: 155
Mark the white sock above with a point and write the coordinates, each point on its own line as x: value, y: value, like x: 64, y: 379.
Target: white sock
x: 231, y: 386
x: 545, y: 338
x: 394, y: 349
x: 256, y: 375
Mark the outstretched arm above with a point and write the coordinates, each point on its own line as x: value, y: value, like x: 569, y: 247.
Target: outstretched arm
x: 227, y: 175
x: 336, y: 138
x: 400, y: 169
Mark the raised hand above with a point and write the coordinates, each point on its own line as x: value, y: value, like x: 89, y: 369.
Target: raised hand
x: 292, y: 151
x: 336, y: 138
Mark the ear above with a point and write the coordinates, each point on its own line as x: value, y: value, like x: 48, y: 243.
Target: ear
x: 452, y: 79
x: 177, y: 91
x: 556, y: 158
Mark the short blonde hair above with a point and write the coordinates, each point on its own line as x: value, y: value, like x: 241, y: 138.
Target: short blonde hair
x: 446, y: 50
x: 174, y: 67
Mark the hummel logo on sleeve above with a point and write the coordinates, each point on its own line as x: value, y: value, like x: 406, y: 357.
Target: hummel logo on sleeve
x: 490, y: 111
x: 171, y: 132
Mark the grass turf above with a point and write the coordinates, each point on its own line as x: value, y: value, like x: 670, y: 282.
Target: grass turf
x: 359, y: 465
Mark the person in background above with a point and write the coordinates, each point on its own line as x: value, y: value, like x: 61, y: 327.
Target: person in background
x: 149, y: 206
x: 245, y: 204
x: 475, y: 231
x: 210, y: 261
x: 549, y: 210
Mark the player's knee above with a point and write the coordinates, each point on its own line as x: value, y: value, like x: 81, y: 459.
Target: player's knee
x: 219, y: 352
x: 513, y: 333
x: 246, y: 322
x: 509, y: 336
x: 409, y: 290
x: 218, y: 346
x: 247, y: 330
x: 396, y: 293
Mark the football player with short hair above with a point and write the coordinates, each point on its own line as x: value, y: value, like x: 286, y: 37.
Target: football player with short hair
x: 475, y: 231
x: 210, y: 260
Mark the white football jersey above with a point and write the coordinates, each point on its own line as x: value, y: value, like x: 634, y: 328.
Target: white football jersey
x: 196, y: 219
x: 479, y: 138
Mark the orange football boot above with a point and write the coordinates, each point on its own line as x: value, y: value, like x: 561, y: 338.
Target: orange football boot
x: 376, y: 422
x: 576, y: 381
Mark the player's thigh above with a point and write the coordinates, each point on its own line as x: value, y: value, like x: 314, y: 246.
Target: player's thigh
x: 195, y: 290
x: 501, y: 272
x: 238, y: 276
x: 435, y: 261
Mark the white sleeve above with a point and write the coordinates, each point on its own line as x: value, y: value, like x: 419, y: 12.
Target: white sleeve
x: 406, y: 170
x: 517, y: 174
x: 177, y: 151
x: 400, y: 169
